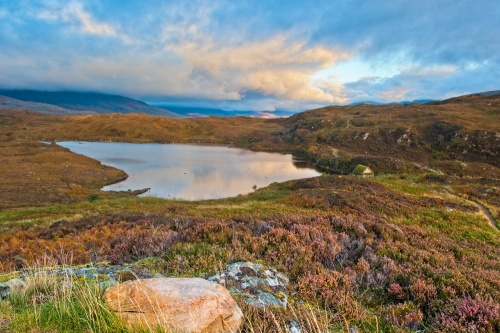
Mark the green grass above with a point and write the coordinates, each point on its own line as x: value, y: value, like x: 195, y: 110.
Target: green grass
x: 59, y: 304
x: 405, y: 183
x: 54, y: 303
x: 460, y: 226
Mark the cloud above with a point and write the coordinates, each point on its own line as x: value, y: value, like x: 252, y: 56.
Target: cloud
x: 74, y: 13
x: 275, y: 66
x: 420, y: 82
x: 261, y: 55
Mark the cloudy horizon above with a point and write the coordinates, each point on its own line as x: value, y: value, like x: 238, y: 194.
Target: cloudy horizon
x: 261, y: 56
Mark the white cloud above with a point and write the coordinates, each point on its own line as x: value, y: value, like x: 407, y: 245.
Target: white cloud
x: 251, y: 55
x: 273, y: 67
x: 74, y: 13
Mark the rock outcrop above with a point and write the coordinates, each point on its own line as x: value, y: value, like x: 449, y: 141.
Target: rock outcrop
x: 259, y: 285
x: 179, y: 304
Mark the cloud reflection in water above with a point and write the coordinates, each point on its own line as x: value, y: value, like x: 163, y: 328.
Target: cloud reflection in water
x: 191, y: 172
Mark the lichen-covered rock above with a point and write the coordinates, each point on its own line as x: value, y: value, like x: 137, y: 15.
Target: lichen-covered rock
x: 259, y: 285
x: 181, y: 305
x: 12, y: 285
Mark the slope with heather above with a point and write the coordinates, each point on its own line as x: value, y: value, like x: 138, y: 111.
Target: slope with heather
x: 407, y: 250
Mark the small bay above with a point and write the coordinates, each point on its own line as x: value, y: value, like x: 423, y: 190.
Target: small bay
x: 192, y: 172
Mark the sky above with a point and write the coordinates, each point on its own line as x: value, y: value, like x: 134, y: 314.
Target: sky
x: 260, y: 55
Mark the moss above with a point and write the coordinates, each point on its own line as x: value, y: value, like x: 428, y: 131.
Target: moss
x: 125, y: 275
x: 280, y: 295
x: 9, y: 276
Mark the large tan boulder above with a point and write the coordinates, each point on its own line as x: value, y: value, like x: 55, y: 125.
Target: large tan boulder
x: 182, y: 305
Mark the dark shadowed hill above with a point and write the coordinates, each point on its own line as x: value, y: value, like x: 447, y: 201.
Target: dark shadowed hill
x: 13, y: 104
x: 87, y: 101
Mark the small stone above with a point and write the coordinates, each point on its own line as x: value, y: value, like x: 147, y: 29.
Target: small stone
x: 294, y: 327
x: 12, y: 285
x: 158, y: 275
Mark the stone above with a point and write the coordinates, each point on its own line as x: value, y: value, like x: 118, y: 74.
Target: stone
x: 259, y: 285
x: 188, y: 305
x: 294, y: 327
x: 12, y: 285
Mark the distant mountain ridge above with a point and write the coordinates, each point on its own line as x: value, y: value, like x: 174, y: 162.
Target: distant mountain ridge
x: 86, y: 101
x: 198, y: 112
x: 416, y: 101
x: 80, y: 103
x: 12, y: 103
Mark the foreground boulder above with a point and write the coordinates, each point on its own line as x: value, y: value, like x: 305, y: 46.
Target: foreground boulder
x: 182, y: 305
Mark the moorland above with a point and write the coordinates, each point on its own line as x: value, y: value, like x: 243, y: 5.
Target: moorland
x: 417, y: 247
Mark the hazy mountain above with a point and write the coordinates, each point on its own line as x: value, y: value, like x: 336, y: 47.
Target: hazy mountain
x: 11, y: 103
x: 197, y: 112
x: 416, y: 101
x: 87, y: 101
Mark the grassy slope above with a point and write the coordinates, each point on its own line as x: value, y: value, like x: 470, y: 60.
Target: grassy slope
x: 391, y: 253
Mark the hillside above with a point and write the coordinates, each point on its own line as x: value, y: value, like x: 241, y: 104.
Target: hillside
x: 415, y: 248
x: 445, y: 135
x: 86, y: 101
x: 458, y: 139
x: 13, y: 104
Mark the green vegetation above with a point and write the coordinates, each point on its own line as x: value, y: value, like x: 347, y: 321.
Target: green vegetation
x: 358, y: 241
x: 93, y: 197
x: 410, y: 249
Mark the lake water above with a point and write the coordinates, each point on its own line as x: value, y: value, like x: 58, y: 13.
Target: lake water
x: 192, y: 172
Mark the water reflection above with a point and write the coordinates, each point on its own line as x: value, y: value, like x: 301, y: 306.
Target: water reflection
x: 192, y: 172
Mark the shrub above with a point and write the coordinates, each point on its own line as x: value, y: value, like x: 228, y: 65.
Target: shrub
x: 93, y: 197
x: 333, y: 290
x: 479, y: 314
x: 405, y: 315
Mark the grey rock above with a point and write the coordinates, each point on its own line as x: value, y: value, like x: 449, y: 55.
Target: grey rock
x: 353, y: 329
x: 7, y: 287
x: 158, y: 275
x: 294, y: 327
x: 260, y: 286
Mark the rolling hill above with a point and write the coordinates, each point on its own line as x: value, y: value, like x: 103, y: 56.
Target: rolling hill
x: 86, y: 101
x: 12, y: 103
